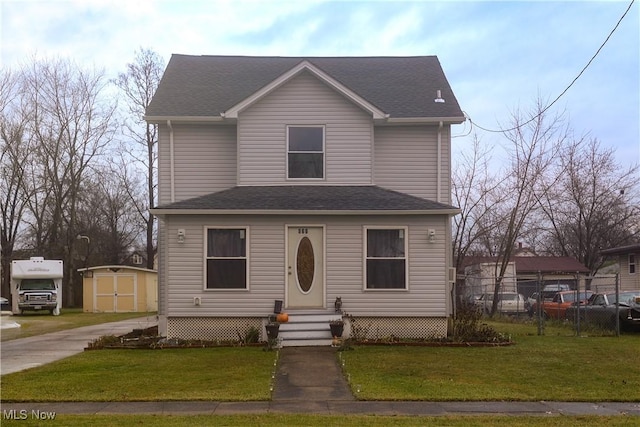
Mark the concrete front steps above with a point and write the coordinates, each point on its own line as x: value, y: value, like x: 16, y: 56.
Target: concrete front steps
x: 307, y: 328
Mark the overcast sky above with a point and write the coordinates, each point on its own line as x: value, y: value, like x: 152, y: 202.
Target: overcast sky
x: 498, y: 56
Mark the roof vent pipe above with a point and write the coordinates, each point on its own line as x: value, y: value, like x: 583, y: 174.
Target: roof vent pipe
x: 439, y: 97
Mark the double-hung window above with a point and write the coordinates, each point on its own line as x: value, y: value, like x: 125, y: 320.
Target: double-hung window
x: 632, y: 263
x: 305, y: 152
x: 226, y: 258
x: 386, y: 258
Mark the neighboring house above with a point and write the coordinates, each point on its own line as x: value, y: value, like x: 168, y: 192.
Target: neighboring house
x: 480, y: 278
x: 628, y: 258
x: 304, y: 180
x: 119, y: 289
x: 525, y: 274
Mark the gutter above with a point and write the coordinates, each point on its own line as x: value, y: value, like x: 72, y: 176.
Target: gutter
x: 439, y: 164
x: 423, y: 120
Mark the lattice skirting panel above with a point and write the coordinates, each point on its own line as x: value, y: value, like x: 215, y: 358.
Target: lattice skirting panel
x: 212, y: 328
x: 372, y: 328
x: 359, y: 328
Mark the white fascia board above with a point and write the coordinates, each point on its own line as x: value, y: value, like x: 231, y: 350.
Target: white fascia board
x: 160, y: 212
x: 377, y: 114
x: 183, y: 119
x: 423, y: 120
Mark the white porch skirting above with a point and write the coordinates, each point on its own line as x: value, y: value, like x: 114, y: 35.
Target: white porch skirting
x: 359, y: 328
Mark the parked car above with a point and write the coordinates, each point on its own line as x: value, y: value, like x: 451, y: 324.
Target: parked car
x: 556, y: 307
x: 601, y: 310
x: 531, y: 301
x: 4, y: 304
x: 508, y: 303
x: 550, y: 291
x: 556, y: 287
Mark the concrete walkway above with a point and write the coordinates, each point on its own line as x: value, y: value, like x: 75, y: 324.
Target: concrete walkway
x: 18, y: 355
x: 308, y: 381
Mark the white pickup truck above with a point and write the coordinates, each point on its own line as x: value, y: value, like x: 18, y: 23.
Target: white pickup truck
x: 36, y: 284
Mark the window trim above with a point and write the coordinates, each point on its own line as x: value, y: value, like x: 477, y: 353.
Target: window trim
x: 323, y: 152
x: 633, y: 264
x: 247, y: 242
x: 365, y: 257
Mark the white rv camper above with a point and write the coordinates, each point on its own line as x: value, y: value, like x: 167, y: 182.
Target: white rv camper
x: 36, y: 284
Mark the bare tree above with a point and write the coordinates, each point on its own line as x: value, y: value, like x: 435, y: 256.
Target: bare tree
x: 593, y: 205
x: 475, y: 193
x: 138, y: 84
x: 15, y: 149
x: 71, y: 125
x: 533, y: 146
x: 107, y: 215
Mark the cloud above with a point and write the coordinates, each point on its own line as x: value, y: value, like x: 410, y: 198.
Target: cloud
x: 497, y: 55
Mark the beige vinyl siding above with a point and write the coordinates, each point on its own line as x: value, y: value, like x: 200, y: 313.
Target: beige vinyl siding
x: 164, y: 166
x: 406, y: 160
x: 629, y: 282
x: 427, y: 292
x: 186, y: 265
x: 304, y: 100
x: 426, y: 296
x: 205, y: 159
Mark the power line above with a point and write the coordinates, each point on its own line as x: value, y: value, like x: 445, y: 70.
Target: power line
x: 566, y: 89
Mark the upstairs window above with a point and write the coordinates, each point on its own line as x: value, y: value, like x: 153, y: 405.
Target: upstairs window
x: 226, y: 258
x: 386, y: 258
x: 632, y: 264
x: 305, y: 152
x: 136, y: 259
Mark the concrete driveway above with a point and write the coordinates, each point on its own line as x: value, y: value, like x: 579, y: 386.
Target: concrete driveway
x: 25, y: 353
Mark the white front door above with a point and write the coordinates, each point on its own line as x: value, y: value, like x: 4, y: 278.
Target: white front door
x: 305, y: 267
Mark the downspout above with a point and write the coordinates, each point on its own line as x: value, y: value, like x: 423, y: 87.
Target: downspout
x: 439, y: 164
x: 171, y: 163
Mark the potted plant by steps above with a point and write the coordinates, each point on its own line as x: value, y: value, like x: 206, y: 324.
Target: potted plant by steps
x: 273, y: 327
x: 337, y: 328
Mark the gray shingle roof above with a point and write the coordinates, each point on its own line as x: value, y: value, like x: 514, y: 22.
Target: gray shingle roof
x: 307, y: 198
x: 205, y: 86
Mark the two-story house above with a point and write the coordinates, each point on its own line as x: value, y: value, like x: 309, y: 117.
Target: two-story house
x: 304, y: 180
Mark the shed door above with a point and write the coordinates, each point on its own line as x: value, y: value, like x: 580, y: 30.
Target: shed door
x: 114, y: 292
x: 305, y: 267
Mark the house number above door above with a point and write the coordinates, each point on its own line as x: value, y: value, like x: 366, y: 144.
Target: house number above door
x: 305, y: 264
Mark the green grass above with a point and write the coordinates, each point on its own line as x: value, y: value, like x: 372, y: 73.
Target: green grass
x: 38, y: 323
x: 279, y: 420
x: 218, y: 374
x: 556, y: 366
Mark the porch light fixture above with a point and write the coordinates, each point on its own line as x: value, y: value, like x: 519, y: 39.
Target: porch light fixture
x: 181, y: 235
x: 431, y: 235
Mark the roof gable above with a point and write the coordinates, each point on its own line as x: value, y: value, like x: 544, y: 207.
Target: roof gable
x: 301, y: 67
x: 205, y: 87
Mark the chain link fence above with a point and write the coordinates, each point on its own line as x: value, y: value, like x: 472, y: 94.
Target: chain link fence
x: 593, y: 305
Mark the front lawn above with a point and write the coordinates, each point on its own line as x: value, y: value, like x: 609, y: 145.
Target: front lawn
x: 556, y: 366
x: 213, y: 374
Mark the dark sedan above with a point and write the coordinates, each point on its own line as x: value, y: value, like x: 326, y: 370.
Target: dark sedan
x: 601, y: 310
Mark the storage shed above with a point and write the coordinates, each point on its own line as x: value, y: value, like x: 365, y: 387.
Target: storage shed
x: 119, y: 289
